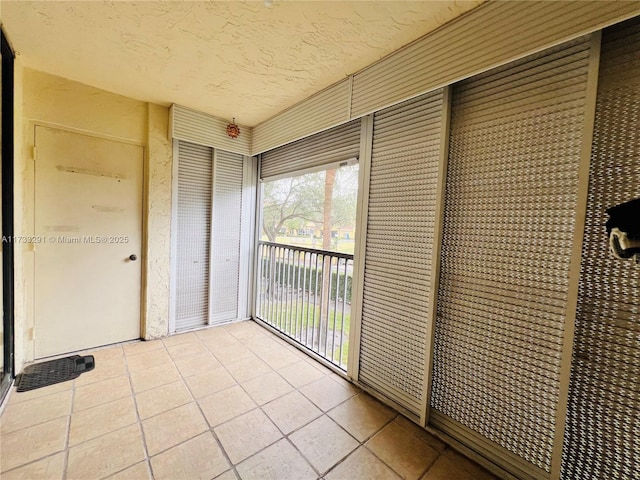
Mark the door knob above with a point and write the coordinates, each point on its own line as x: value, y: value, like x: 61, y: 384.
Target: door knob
x: 133, y: 257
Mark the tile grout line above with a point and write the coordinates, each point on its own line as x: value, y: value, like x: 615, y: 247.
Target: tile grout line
x: 139, y: 420
x: 260, y: 407
x: 360, y: 443
x: 374, y: 453
x: 326, y: 414
x: 69, y: 416
x: 257, y: 407
x: 423, y: 473
x: 286, y: 436
x: 53, y: 454
x: 288, y: 439
x: 318, y: 475
x: 211, y: 428
x: 68, y: 440
x: 340, y: 462
x: 186, y: 386
x: 124, y: 359
x: 66, y: 448
x: 35, y: 399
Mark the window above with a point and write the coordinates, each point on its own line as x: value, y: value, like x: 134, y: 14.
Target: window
x: 314, y: 210
x: 305, y: 259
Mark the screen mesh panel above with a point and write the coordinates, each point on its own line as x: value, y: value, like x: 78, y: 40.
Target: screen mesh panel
x: 193, y: 235
x: 510, y: 209
x: 225, y: 254
x: 400, y: 229
x: 602, y: 434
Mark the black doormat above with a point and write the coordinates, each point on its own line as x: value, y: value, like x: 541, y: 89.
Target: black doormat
x: 54, y: 371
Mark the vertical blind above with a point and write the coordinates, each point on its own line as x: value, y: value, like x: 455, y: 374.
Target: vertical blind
x: 603, y: 420
x: 510, y: 207
x: 193, y: 230
x: 400, y: 230
x: 225, y: 254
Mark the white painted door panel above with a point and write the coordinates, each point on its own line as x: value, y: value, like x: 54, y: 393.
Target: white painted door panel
x: 88, y: 221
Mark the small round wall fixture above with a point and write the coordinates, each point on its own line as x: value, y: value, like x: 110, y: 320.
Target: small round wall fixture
x: 233, y: 130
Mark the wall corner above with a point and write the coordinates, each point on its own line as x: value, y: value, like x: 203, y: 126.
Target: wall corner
x: 158, y: 168
x: 23, y: 344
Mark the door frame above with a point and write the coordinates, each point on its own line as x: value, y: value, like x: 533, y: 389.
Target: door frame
x: 8, y: 370
x: 30, y: 192
x: 173, y: 262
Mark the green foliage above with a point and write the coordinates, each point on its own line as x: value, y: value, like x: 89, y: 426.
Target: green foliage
x: 302, y: 322
x: 288, y: 202
x: 344, y: 246
x: 307, y: 279
x: 298, y: 203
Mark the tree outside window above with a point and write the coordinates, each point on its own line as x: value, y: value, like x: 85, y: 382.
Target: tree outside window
x: 314, y: 210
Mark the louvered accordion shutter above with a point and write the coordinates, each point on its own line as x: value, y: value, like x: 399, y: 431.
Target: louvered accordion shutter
x: 510, y: 209
x: 338, y: 144
x: 225, y: 245
x: 399, y: 242
x: 602, y: 434
x: 200, y: 128
x: 193, y: 235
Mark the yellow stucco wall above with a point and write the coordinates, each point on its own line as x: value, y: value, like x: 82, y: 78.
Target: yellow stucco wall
x: 54, y: 101
x: 158, y: 206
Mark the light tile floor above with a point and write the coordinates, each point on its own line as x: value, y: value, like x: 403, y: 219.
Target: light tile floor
x: 227, y: 403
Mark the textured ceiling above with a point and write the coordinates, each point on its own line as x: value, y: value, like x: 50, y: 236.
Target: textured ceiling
x: 230, y: 59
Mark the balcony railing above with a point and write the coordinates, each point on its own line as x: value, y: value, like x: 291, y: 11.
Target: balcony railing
x: 296, y: 297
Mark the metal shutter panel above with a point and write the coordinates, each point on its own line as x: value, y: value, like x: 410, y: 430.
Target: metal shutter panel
x: 193, y: 235
x: 331, y: 146
x: 603, y: 420
x: 488, y: 36
x: 203, y: 129
x: 400, y: 230
x: 510, y: 210
x: 225, y: 244
x: 321, y: 111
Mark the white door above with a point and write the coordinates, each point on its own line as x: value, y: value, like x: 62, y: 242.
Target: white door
x: 88, y: 222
